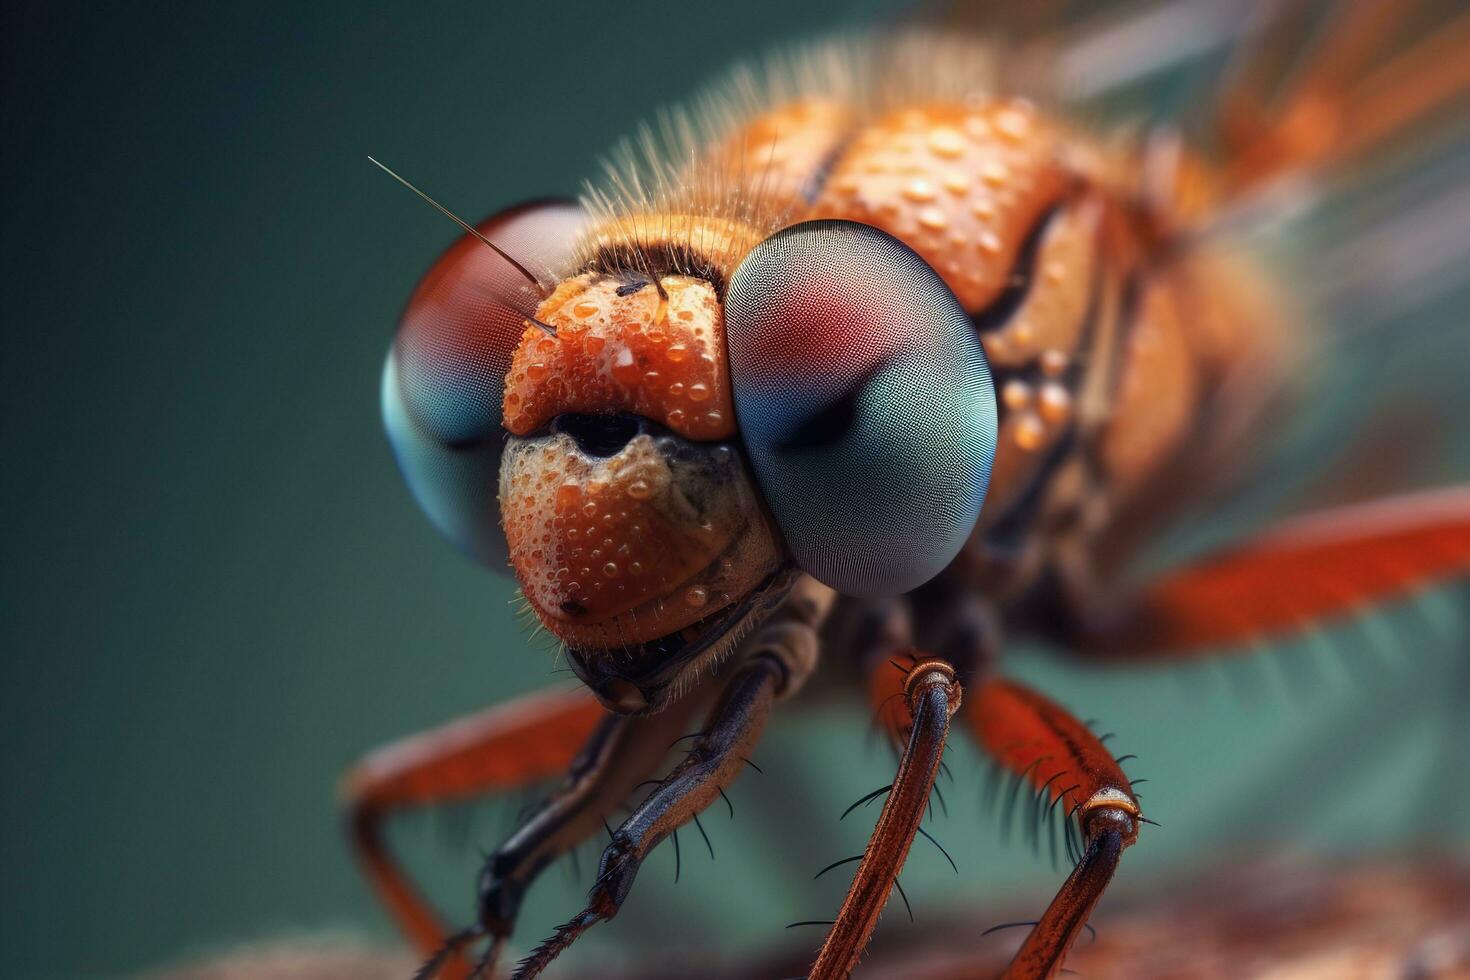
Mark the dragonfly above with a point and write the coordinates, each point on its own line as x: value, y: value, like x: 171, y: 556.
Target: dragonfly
x: 878, y: 358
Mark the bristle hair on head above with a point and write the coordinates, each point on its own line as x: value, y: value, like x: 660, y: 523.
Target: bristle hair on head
x: 670, y: 200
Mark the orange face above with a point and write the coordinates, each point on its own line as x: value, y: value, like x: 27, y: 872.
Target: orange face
x: 628, y: 513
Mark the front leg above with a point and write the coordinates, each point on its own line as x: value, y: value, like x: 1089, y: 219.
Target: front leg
x: 620, y: 755
x: 776, y: 662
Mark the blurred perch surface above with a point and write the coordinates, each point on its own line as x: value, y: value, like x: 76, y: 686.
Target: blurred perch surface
x: 1279, y: 918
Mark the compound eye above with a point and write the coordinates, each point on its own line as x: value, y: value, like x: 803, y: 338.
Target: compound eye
x: 445, y: 375
x: 865, y: 402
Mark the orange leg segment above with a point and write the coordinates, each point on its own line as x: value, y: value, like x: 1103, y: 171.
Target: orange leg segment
x: 931, y: 695
x: 1308, y: 570
x: 1041, y: 743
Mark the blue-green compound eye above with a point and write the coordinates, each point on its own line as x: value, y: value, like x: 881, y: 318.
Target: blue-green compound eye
x: 865, y: 402
x: 445, y: 375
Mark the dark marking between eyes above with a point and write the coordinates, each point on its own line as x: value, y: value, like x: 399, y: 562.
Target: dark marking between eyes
x: 1018, y: 286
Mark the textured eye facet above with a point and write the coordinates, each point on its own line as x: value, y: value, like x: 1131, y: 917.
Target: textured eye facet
x: 445, y: 375
x: 865, y: 402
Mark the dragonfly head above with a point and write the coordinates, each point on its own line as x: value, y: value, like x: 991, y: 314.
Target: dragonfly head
x: 633, y: 525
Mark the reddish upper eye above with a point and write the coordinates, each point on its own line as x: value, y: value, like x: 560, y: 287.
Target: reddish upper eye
x: 465, y: 318
x: 445, y: 375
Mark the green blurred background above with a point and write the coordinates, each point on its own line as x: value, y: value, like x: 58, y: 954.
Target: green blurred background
x: 217, y: 593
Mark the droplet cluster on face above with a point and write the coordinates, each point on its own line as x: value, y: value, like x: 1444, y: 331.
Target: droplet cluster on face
x: 961, y: 185
x: 626, y: 548
x: 625, y: 344
x: 586, y: 533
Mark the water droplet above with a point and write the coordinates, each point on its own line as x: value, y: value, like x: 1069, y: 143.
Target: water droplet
x: 1016, y: 395
x: 933, y: 219
x: 1029, y: 432
x: 624, y: 368
x: 946, y: 142
x: 920, y: 191
x: 1054, y: 402
x: 1013, y: 124
x: 696, y: 596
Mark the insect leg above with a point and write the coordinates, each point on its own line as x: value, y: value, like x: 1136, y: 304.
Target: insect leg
x: 932, y: 694
x: 1308, y: 570
x: 776, y: 661
x: 504, y: 747
x: 1040, y: 742
x: 617, y: 758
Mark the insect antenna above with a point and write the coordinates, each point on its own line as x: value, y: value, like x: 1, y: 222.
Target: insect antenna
x: 536, y: 284
x: 471, y: 229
